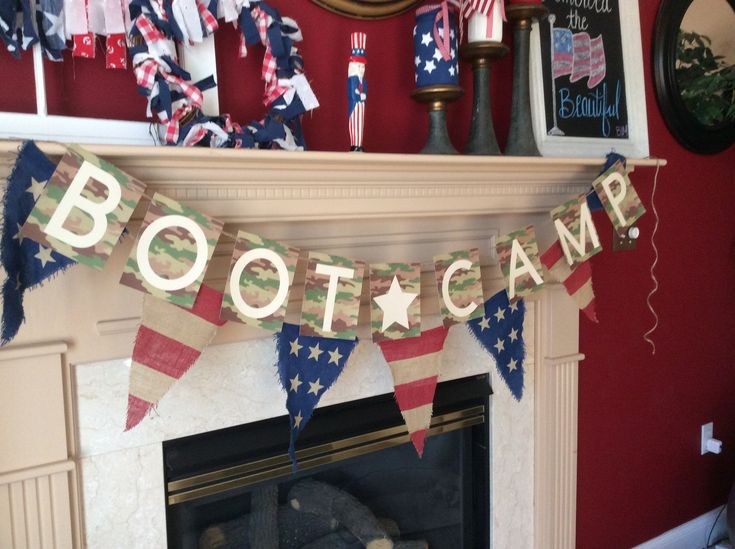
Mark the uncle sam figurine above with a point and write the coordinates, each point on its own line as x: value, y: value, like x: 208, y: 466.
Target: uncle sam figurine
x: 356, y: 90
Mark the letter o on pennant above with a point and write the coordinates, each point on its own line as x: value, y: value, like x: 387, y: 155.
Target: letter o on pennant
x: 283, y: 282
x: 144, y: 244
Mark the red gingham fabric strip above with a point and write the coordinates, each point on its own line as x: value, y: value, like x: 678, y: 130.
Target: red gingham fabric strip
x: 209, y: 20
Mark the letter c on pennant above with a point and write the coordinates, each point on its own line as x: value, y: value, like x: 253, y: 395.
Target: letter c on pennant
x: 144, y: 244
x: 460, y: 264
x: 246, y: 258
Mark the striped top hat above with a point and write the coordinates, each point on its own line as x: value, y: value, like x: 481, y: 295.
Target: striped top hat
x: 357, y: 42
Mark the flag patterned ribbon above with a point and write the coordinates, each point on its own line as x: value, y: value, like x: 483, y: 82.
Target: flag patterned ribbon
x: 500, y: 332
x: 577, y: 279
x: 26, y: 263
x: 307, y: 367
x: 470, y: 7
x: 170, y: 340
x: 415, y: 364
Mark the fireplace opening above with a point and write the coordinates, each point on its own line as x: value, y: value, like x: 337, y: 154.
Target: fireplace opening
x: 360, y: 482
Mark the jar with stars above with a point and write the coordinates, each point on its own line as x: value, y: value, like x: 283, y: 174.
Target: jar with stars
x: 435, y: 45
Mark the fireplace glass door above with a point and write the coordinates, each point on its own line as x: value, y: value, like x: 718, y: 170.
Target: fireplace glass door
x: 360, y: 482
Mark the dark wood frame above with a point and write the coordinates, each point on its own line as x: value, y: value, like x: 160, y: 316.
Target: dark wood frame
x: 682, y: 124
x: 367, y: 9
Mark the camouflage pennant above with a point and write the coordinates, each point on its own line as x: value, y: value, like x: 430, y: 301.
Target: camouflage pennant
x: 176, y: 244
x: 91, y: 183
x: 576, y: 231
x: 460, y: 297
x: 266, y: 270
x: 395, y: 300
x: 519, y: 260
x: 332, y: 313
x: 619, y: 198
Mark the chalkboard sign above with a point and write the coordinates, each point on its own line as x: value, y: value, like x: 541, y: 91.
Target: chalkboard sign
x: 584, y: 60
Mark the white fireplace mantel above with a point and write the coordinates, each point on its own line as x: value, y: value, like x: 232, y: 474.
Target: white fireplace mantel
x: 375, y: 207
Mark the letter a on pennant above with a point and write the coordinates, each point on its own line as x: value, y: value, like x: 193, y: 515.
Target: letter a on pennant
x: 261, y: 274
x: 519, y: 260
x: 172, y: 251
x: 460, y: 286
x: 577, y: 233
x: 619, y: 198
x: 87, y: 204
x: 332, y: 290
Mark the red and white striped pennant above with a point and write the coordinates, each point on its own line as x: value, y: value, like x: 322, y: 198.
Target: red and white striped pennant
x: 415, y: 364
x: 576, y: 279
x: 170, y: 340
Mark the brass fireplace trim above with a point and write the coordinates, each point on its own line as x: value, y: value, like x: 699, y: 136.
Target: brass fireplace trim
x: 207, y: 484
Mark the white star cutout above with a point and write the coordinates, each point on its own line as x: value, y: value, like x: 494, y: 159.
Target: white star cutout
x: 437, y: 54
x: 295, y: 347
x: 295, y: 383
x: 426, y: 39
x: 452, y: 53
x: 315, y: 387
x: 394, y: 305
x: 451, y: 34
x: 441, y: 33
x: 500, y: 315
x: 315, y: 351
x: 484, y: 324
x: 17, y: 236
x: 513, y: 364
x: 500, y: 345
x: 451, y: 71
x: 514, y: 307
x: 297, y: 420
x: 36, y: 188
x: 44, y: 256
x: 414, y: 30
x: 429, y: 66
x: 334, y: 357
x: 417, y: 60
x: 513, y: 335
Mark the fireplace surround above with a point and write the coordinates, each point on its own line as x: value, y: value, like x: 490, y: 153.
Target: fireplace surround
x: 68, y: 474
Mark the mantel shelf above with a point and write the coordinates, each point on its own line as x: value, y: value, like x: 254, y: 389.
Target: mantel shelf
x: 266, y: 186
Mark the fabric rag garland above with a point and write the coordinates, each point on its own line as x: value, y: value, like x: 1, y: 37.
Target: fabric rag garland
x: 177, y: 102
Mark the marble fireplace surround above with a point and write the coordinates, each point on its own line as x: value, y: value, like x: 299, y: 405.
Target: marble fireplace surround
x: 370, y: 206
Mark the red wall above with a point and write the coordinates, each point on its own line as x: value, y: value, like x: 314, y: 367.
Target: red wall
x: 640, y: 472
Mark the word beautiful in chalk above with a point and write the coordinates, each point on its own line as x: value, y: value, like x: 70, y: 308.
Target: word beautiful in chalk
x: 334, y: 281
x: 594, y: 104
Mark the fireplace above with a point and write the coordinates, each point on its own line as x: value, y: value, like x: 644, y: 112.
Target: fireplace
x: 359, y: 478
x: 376, y: 208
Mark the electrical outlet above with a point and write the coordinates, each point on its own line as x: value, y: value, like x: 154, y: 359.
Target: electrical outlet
x: 623, y: 243
x: 707, y: 433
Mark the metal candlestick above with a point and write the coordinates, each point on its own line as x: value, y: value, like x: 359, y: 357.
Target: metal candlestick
x: 438, y: 141
x: 482, y: 133
x: 521, y: 141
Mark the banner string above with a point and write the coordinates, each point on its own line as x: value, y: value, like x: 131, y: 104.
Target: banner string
x: 653, y: 265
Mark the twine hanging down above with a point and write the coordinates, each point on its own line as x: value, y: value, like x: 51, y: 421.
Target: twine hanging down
x: 653, y: 265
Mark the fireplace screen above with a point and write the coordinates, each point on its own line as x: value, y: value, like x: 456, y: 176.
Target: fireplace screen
x: 360, y: 482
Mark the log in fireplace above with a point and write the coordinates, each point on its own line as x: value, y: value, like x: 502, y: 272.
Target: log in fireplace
x: 359, y: 482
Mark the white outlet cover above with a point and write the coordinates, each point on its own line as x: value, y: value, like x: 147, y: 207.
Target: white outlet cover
x: 707, y: 433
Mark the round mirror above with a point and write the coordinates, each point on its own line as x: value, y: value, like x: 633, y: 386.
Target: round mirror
x: 694, y: 71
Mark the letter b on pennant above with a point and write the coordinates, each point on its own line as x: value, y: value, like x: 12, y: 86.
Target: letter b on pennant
x: 87, y: 204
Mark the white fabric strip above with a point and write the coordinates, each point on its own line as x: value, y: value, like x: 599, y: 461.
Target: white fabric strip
x: 75, y: 18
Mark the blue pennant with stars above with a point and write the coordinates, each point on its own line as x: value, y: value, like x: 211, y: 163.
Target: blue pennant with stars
x: 500, y: 332
x: 307, y: 367
x: 26, y: 263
